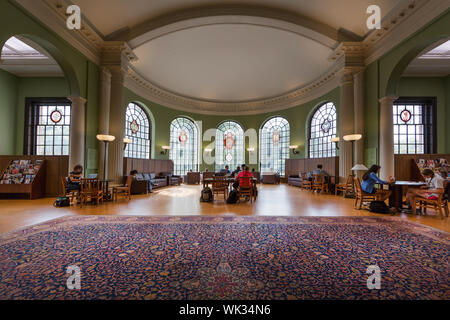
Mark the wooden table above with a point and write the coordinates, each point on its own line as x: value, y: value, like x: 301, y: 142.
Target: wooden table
x: 396, y: 198
x: 228, y: 180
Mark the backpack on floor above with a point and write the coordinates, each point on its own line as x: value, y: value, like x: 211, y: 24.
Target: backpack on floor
x: 233, y: 197
x: 379, y: 207
x: 207, y: 195
x: 62, y: 202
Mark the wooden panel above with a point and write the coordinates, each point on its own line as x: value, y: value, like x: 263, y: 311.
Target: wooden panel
x: 147, y: 165
x: 295, y: 166
x: 56, y: 167
x: 404, y: 164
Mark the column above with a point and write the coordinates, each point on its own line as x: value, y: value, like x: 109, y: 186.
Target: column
x: 103, y: 119
x: 116, y: 124
x: 77, y: 132
x: 346, y: 122
x: 359, y: 116
x: 386, y: 137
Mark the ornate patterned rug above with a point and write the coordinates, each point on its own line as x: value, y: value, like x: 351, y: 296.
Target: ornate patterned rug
x: 261, y: 258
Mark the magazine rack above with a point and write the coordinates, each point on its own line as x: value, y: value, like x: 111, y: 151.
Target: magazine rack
x: 22, y: 183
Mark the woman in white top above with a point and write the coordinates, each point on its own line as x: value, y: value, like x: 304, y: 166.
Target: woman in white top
x: 433, y: 189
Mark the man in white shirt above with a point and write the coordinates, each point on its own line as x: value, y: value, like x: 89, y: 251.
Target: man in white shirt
x: 433, y: 189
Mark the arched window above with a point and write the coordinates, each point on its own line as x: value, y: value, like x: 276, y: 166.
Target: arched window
x: 137, y: 128
x: 184, y: 145
x: 274, y: 139
x: 229, y: 145
x: 322, y: 128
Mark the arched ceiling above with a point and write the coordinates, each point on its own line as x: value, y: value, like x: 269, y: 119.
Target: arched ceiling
x: 231, y: 52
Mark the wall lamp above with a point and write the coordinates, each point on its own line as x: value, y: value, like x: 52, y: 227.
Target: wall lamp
x: 251, y: 150
x: 165, y: 149
x: 294, y: 149
x: 126, y: 142
x: 336, y: 141
x: 208, y: 150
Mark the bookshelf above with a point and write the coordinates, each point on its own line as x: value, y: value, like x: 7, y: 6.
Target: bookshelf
x: 24, y: 177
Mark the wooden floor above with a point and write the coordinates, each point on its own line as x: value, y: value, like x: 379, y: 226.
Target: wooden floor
x: 279, y: 200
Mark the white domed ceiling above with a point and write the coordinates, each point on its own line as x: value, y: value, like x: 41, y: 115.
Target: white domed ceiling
x: 231, y: 62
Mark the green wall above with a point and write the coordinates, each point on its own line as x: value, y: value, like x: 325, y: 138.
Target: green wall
x: 297, y: 117
x: 8, y: 102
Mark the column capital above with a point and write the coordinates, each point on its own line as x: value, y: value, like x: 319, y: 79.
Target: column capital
x: 77, y: 99
x: 346, y: 75
x: 388, y: 99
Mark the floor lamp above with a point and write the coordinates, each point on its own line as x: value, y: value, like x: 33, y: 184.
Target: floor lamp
x: 105, y: 138
x: 352, y: 138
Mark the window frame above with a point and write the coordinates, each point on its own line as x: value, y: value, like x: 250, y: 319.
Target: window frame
x: 429, y: 122
x: 239, y: 147
x: 140, y: 139
x: 331, y: 146
x: 31, y: 123
x: 195, y: 148
x: 285, y: 152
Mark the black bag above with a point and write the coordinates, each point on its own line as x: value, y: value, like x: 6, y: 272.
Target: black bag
x: 233, y: 197
x: 379, y: 207
x: 207, y: 195
x: 62, y: 202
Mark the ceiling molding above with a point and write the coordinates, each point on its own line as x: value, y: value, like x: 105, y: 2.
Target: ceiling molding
x: 204, y: 15
x: 403, y: 21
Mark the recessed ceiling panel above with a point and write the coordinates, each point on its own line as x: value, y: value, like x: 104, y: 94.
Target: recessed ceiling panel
x: 232, y: 62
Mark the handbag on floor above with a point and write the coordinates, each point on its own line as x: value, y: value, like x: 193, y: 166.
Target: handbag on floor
x: 233, y: 197
x: 62, y: 202
x: 379, y: 207
x: 207, y: 195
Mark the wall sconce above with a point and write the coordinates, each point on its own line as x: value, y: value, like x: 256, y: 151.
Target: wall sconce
x: 105, y: 138
x: 353, y: 137
x: 165, y: 149
x: 294, y: 149
x: 336, y: 141
x: 251, y: 150
x: 208, y: 150
x: 126, y: 142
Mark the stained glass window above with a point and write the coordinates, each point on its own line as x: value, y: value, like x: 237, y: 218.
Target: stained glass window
x: 138, y: 130
x: 274, y: 140
x: 184, y: 145
x: 229, y: 145
x: 322, y: 128
x: 48, y: 127
x: 413, y: 126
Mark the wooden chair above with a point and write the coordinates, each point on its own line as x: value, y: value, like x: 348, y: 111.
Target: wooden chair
x: 319, y: 183
x: 246, y: 188
x: 91, y: 189
x: 361, y: 196
x: 74, y: 194
x: 123, y: 191
x: 219, y: 186
x: 306, y: 184
x: 439, y: 205
x: 346, y: 187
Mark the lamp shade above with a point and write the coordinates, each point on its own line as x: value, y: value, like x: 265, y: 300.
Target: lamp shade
x: 251, y: 149
x: 127, y: 141
x: 166, y: 147
x: 208, y: 150
x: 360, y: 167
x: 335, y: 139
x: 353, y: 137
x: 293, y: 147
x: 105, y: 137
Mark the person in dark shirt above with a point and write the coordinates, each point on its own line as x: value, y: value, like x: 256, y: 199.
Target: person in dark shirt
x: 74, y: 179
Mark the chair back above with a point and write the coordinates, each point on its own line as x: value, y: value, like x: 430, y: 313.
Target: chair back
x: 129, y: 181
x: 318, y: 179
x: 245, y: 182
x: 357, y: 185
x: 90, y: 186
x: 349, y: 182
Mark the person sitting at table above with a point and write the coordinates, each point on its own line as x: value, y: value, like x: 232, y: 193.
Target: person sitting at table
x: 435, y: 185
x: 74, y: 179
x: 369, y: 180
x: 235, y: 172
x: 134, y: 173
x: 244, y: 173
x: 226, y: 170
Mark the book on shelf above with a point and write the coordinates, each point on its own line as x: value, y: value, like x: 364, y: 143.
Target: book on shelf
x: 21, y: 172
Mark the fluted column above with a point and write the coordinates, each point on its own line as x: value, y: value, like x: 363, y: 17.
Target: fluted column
x: 103, y: 119
x: 116, y: 124
x: 77, y: 132
x: 386, y: 137
x: 346, y: 122
x: 359, y: 116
